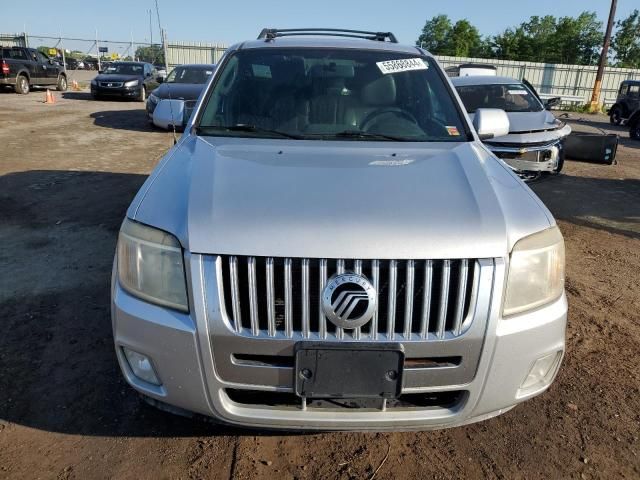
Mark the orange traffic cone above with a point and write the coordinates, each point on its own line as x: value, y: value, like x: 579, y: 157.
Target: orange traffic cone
x: 74, y: 86
x: 49, y: 98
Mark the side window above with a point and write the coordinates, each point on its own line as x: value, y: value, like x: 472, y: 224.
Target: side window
x: 624, y: 89
x: 634, y: 90
x: 41, y: 57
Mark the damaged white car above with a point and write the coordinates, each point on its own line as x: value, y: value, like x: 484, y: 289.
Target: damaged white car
x: 535, y: 142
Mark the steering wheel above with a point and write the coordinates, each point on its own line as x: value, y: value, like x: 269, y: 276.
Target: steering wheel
x: 383, y: 111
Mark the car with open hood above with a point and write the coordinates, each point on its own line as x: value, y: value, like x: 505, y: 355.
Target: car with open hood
x: 330, y: 246
x: 176, y: 96
x: 535, y: 142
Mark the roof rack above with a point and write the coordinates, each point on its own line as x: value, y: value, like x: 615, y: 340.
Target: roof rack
x: 269, y: 34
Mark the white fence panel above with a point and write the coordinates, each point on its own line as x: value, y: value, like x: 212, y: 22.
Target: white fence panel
x: 556, y: 79
x: 194, y: 52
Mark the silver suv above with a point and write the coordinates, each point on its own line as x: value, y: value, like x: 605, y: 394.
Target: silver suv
x: 331, y: 246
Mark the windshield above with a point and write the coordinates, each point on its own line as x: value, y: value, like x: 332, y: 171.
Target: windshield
x: 189, y: 75
x: 124, y: 69
x: 513, y: 97
x: 337, y: 94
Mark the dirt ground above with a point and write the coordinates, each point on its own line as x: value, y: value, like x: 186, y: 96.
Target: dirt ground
x: 67, y: 175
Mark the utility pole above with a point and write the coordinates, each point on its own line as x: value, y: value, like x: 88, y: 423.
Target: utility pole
x: 597, y: 86
x: 150, y: 30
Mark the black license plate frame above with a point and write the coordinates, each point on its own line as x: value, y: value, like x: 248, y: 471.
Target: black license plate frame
x: 348, y: 370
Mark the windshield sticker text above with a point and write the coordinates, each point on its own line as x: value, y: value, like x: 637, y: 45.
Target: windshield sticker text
x: 452, y: 131
x: 517, y: 92
x: 404, y: 65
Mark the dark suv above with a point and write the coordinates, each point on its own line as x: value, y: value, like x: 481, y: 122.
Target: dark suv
x: 627, y: 102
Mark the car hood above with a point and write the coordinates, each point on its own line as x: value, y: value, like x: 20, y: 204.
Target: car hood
x: 338, y: 199
x: 532, y: 127
x: 179, y: 91
x: 114, y: 77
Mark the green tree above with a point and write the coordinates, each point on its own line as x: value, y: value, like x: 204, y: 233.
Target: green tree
x: 463, y: 40
x: 626, y: 41
x: 435, y: 34
x: 152, y: 53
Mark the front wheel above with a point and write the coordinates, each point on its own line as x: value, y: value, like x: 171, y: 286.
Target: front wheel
x: 22, y: 85
x: 62, y: 83
x: 615, y: 116
x: 143, y: 94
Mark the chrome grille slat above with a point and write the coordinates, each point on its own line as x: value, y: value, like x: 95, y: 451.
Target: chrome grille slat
x: 340, y: 265
x: 444, y: 288
x: 271, y: 298
x: 375, y: 274
x: 391, y: 306
x: 305, y: 297
x: 427, y: 300
x: 235, y: 292
x: 253, y: 295
x: 408, y: 300
x: 288, y: 299
x: 322, y: 320
x: 461, y: 292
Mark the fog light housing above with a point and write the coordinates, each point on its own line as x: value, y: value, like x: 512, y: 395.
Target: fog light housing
x: 141, y: 366
x: 541, y: 372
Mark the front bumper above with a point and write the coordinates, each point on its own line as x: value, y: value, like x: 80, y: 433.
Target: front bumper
x: 526, y: 158
x: 182, y: 354
x: 123, y: 92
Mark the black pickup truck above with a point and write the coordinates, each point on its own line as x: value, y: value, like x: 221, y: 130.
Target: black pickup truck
x: 23, y: 68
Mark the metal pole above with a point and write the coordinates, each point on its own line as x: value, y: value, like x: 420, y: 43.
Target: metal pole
x: 98, y: 50
x: 150, y: 30
x: 164, y: 48
x: 64, y: 59
x: 597, y: 86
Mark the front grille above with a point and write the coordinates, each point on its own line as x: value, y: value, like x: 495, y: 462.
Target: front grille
x: 281, y: 297
x: 111, y: 84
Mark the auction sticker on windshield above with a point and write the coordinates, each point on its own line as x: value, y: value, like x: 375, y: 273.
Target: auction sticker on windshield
x: 402, y: 65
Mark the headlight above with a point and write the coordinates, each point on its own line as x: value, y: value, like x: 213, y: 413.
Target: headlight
x: 150, y: 265
x: 536, y: 272
x: 131, y: 83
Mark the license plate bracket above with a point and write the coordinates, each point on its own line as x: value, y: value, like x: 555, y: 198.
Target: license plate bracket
x: 327, y: 370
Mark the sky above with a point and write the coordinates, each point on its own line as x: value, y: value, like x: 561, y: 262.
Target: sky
x: 232, y: 21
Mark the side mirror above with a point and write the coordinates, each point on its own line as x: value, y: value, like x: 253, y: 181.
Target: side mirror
x: 552, y: 102
x: 490, y: 123
x: 159, y: 79
x: 100, y: 71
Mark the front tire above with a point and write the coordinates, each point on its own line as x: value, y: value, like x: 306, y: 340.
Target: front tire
x: 62, y: 83
x: 615, y: 116
x: 22, y: 85
x: 143, y: 94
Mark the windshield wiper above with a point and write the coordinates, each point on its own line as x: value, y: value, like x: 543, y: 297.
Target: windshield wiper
x: 363, y: 134
x: 244, y: 127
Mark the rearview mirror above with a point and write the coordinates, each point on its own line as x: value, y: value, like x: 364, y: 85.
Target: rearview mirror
x: 552, y: 102
x: 490, y: 123
x: 159, y: 79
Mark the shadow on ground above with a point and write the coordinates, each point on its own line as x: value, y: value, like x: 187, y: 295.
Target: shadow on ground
x: 136, y: 120
x: 607, y: 204
x: 58, y: 369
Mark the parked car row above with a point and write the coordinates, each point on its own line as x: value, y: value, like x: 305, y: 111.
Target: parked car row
x: 169, y: 98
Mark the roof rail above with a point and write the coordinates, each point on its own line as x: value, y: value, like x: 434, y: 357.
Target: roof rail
x: 269, y: 34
